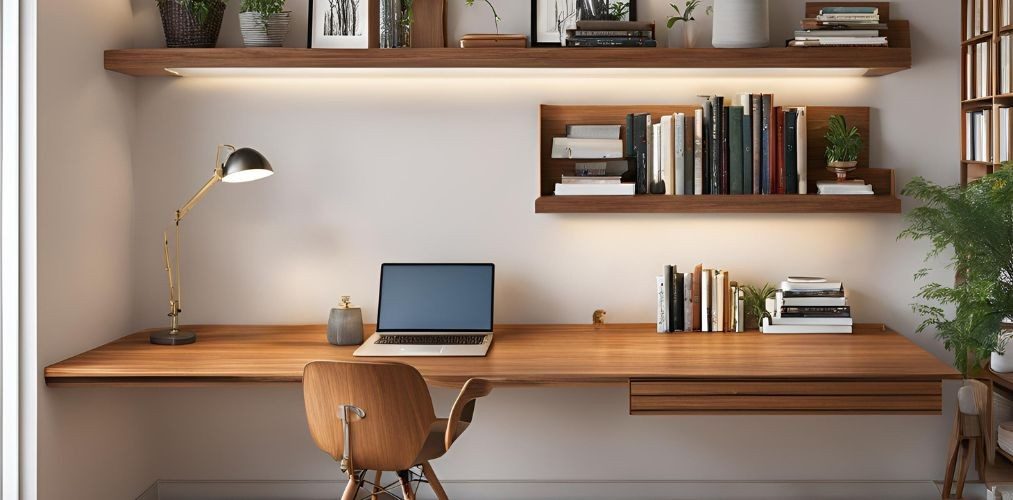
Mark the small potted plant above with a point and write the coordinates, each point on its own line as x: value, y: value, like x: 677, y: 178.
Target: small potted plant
x: 191, y: 23
x: 264, y: 23
x: 843, y: 147
x: 682, y: 27
x: 970, y: 224
x: 755, y: 302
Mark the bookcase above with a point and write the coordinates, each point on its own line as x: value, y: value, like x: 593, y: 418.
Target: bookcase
x: 554, y: 119
x: 985, y: 88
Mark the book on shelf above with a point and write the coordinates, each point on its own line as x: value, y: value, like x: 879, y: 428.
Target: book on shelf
x: 656, y: 184
x: 1005, y: 134
x: 769, y: 328
x: 624, y: 189
x: 814, y: 312
x: 689, y: 153
x: 801, y: 321
x: 662, y: 295
x: 779, y: 167
x: 978, y: 135
x: 812, y: 301
x: 803, y: 284
x: 706, y: 300
x: 842, y: 26
x: 699, y: 153
x: 688, y: 302
x: 735, y: 121
x: 591, y: 179
x: 802, y: 149
x: 676, y: 161
x: 593, y: 131
x: 811, y: 23
x: 569, y: 148
x: 852, y: 187
x: 611, y: 34
x: 745, y: 100
x: 725, y: 164
x: 607, y: 168
x: 610, y: 42
x: 808, y: 305
x: 1006, y: 63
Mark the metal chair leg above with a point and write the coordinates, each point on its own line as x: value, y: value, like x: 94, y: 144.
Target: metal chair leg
x: 434, y: 482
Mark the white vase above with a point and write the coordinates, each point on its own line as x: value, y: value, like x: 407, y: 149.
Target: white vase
x: 740, y: 24
x: 683, y: 35
x: 1002, y: 363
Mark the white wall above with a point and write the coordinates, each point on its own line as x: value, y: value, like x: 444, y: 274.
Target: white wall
x: 374, y: 169
x: 93, y: 443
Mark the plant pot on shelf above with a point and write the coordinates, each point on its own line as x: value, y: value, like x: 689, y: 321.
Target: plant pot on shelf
x: 259, y: 31
x: 683, y: 35
x: 741, y: 24
x: 183, y: 29
x: 842, y: 169
x: 1003, y: 362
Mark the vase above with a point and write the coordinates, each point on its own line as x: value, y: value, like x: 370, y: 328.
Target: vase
x: 182, y: 29
x: 740, y: 24
x: 1003, y: 362
x: 260, y: 32
x: 683, y: 35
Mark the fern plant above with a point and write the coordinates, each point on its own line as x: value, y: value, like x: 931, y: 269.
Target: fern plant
x: 755, y: 300
x: 495, y: 15
x: 974, y: 226
x: 843, y: 144
x: 199, y: 9
x: 686, y: 13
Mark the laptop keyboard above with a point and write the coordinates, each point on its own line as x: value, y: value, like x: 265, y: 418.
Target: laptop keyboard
x: 469, y: 339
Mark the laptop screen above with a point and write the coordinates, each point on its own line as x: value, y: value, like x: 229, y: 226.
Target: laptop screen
x: 436, y: 297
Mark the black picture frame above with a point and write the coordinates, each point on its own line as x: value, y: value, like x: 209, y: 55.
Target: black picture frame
x: 535, y: 22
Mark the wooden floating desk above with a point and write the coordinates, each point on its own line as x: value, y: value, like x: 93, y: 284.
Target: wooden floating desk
x: 874, y: 370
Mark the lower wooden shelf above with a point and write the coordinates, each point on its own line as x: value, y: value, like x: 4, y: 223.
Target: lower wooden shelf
x: 787, y: 203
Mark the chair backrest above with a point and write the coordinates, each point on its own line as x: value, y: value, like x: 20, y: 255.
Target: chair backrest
x: 395, y: 399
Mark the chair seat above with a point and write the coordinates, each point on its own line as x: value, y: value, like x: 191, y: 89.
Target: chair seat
x: 434, y: 446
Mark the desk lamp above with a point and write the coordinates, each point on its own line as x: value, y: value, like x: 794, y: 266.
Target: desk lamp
x: 242, y: 165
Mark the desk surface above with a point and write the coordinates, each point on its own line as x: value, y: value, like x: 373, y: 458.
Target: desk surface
x: 520, y: 354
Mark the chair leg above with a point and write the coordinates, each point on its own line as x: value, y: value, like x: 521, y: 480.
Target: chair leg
x: 951, y: 457
x: 375, y: 494
x: 404, y: 477
x: 965, y: 462
x: 434, y: 482
x: 351, y: 489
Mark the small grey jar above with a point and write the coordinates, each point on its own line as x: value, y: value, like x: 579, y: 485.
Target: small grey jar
x: 345, y: 324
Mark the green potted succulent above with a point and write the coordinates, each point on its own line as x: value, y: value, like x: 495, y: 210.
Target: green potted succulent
x: 843, y: 147
x: 191, y: 23
x: 264, y: 23
x: 973, y: 226
x: 682, y: 26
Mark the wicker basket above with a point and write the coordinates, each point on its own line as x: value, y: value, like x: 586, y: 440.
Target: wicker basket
x: 182, y: 29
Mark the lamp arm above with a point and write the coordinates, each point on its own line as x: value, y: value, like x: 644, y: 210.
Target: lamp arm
x: 215, y: 179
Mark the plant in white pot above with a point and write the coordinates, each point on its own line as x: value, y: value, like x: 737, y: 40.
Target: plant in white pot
x: 974, y: 225
x: 682, y: 26
x: 264, y: 23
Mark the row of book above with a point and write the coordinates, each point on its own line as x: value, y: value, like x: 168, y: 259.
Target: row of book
x: 978, y: 135
x: 978, y: 78
x: 705, y: 300
x: 843, y: 26
x: 1005, y: 134
x: 808, y: 305
x: 611, y: 34
x: 1006, y: 63
x: 978, y: 17
x: 1007, y: 15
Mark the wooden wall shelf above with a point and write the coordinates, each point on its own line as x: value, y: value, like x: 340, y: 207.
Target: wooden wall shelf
x: 791, y: 61
x: 771, y: 204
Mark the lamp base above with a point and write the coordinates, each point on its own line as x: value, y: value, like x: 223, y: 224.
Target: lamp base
x: 168, y: 337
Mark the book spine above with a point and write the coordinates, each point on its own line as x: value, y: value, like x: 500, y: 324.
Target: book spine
x: 697, y: 300
x: 779, y: 177
x: 679, y: 138
x: 757, y: 120
x: 669, y: 298
x: 705, y: 300
x: 611, y: 42
x: 717, y: 105
x: 687, y: 295
x: 765, y: 135
x: 640, y: 126
x: 676, y: 310
x: 657, y: 160
x: 790, y: 151
x: 662, y: 294
x: 735, y: 150
x: 689, y: 161
x: 698, y: 152
x: 610, y: 33
x: 725, y: 156
x: 802, y: 146
x: 747, y: 144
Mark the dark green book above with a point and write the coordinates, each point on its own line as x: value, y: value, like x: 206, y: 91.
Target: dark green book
x: 735, y: 183
x: 717, y: 112
x: 747, y: 152
x: 791, y: 151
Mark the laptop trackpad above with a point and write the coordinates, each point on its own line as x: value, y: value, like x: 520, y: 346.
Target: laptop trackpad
x: 422, y: 350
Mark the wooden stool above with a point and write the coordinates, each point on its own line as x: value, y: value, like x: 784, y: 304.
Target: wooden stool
x: 971, y: 432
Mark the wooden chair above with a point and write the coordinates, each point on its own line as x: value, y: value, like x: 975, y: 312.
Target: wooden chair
x: 972, y: 433
x: 378, y: 416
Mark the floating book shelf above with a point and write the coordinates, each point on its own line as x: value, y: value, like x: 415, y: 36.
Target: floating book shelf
x: 554, y: 120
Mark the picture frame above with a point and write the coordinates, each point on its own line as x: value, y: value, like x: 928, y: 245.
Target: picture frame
x: 339, y: 24
x: 543, y: 26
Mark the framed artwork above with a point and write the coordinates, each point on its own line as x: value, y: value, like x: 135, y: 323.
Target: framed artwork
x: 339, y: 24
x: 551, y: 18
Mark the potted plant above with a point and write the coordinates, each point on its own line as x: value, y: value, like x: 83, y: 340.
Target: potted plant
x: 684, y: 35
x: 843, y: 147
x: 755, y: 301
x: 191, y: 23
x: 263, y: 23
x: 972, y: 225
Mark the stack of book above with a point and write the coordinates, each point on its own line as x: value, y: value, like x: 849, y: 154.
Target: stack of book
x: 705, y: 300
x: 750, y: 147
x: 978, y: 135
x: 853, y: 187
x: 845, y: 26
x: 592, y: 177
x: 611, y: 34
x: 809, y: 305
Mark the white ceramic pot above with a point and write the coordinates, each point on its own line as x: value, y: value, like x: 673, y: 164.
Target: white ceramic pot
x: 740, y: 24
x: 1002, y: 363
x: 683, y: 36
x: 257, y: 33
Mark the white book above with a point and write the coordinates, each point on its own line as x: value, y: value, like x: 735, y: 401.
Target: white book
x: 802, y: 148
x: 843, y: 40
x: 657, y: 183
x: 626, y: 189
x: 767, y: 328
x: 719, y: 301
x: 741, y: 312
x: 814, y: 301
x: 593, y: 131
x: 667, y: 152
x: 679, y: 170
x: 687, y: 294
x: 843, y: 188
x: 698, y: 152
x: 793, y: 286
x: 705, y: 299
x: 812, y: 321
x: 662, y: 305
x: 568, y: 148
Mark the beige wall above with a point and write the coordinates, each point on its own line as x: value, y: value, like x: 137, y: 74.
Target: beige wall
x: 379, y: 169
x: 93, y: 443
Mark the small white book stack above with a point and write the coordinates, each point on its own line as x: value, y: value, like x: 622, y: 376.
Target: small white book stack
x: 808, y: 305
x: 855, y: 187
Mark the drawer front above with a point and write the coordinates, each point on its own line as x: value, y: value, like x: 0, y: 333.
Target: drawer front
x: 652, y: 397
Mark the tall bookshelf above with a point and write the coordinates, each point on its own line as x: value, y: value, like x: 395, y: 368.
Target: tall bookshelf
x: 984, y: 90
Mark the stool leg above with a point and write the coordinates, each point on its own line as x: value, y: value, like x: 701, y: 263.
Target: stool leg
x: 376, y: 485
x: 351, y: 488
x: 951, y: 457
x: 965, y: 462
x: 406, y: 484
x: 434, y: 482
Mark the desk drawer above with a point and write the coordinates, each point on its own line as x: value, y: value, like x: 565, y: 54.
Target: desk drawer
x: 652, y: 397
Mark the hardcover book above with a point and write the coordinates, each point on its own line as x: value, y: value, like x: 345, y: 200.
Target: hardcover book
x: 689, y: 160
x: 679, y: 155
x: 697, y: 300
x: 714, y: 151
x: 677, y: 310
x: 765, y: 143
x: 779, y: 177
x: 698, y: 153
x: 641, y: 151
x: 790, y: 151
x: 747, y: 144
x: 735, y: 150
x: 725, y: 164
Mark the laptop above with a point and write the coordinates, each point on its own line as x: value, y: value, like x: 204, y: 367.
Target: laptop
x: 433, y: 310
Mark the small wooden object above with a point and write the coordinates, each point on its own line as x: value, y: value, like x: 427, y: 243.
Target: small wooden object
x: 493, y: 41
x: 971, y: 433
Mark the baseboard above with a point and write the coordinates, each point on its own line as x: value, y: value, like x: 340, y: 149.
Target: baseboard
x: 564, y: 490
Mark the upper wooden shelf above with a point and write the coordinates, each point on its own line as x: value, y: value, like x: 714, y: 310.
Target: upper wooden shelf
x: 801, y: 61
x: 728, y: 204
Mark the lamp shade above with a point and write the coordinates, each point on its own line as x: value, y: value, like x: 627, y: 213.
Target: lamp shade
x: 245, y: 165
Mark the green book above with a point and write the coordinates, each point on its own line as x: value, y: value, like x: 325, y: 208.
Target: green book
x: 747, y: 151
x: 735, y: 114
